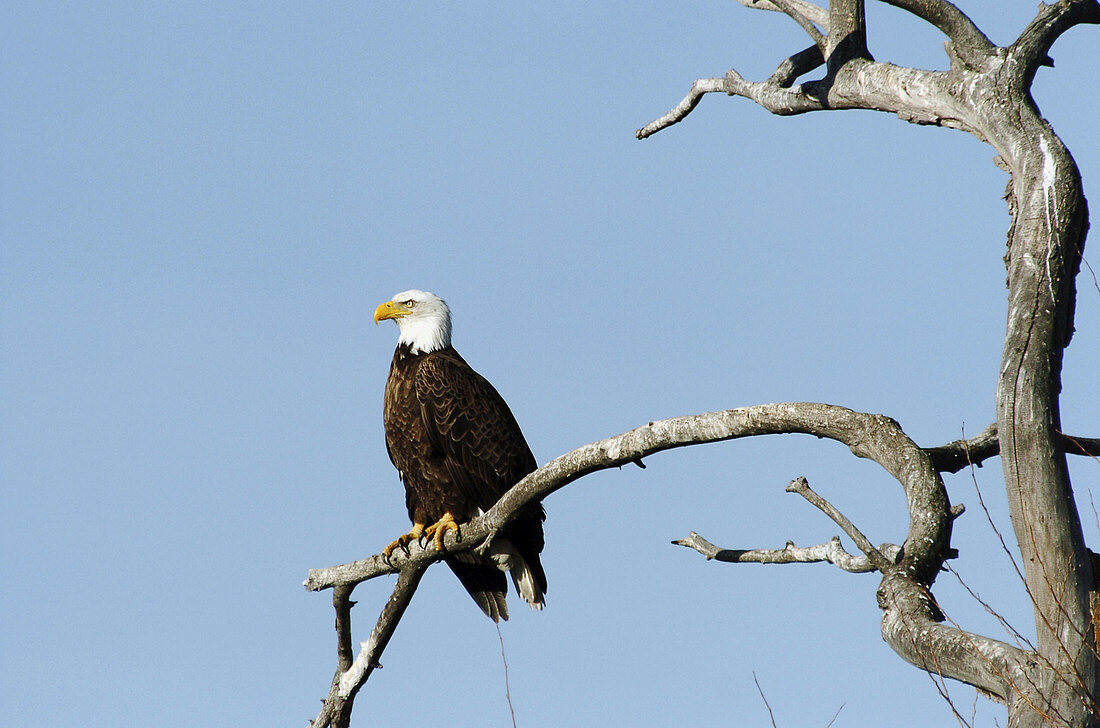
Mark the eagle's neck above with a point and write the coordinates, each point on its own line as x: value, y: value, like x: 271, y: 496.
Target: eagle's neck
x: 425, y: 333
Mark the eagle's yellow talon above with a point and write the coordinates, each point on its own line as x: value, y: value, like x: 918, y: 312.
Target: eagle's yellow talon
x: 439, y: 528
x: 402, y: 542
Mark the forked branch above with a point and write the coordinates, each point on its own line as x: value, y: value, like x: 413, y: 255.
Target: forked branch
x: 351, y: 676
x: 921, y: 97
x: 832, y: 552
x: 870, y: 436
x: 877, y: 559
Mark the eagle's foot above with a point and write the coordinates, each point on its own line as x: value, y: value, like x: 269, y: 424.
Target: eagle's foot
x: 440, y: 527
x: 402, y: 542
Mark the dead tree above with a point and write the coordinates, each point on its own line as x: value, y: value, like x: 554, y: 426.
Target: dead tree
x: 985, y: 92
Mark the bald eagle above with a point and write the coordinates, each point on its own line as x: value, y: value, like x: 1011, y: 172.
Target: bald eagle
x: 457, y: 449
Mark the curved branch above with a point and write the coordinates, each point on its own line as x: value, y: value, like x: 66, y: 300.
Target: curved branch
x: 1033, y: 45
x: 971, y: 44
x: 685, y: 107
x: 913, y: 626
x: 871, y: 436
x: 798, y: 64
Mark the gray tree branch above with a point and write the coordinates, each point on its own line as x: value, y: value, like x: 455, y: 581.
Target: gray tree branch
x: 847, y: 34
x: 915, y: 95
x: 1034, y: 43
x: 970, y: 44
x: 870, y: 436
x: 960, y: 454
x: 624, y: 449
x: 802, y: 487
x: 686, y: 106
x: 791, y: 68
x: 831, y: 551
x: 816, y: 14
x: 352, y: 675
x: 821, y: 420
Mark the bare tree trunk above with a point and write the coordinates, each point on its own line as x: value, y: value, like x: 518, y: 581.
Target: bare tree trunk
x: 1044, y: 248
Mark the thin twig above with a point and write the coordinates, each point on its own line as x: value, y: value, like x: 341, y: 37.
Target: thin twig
x: 1021, y: 641
x: 1095, y: 283
x: 686, y: 106
x: 765, y: 699
x: 507, y: 685
x: 833, y: 719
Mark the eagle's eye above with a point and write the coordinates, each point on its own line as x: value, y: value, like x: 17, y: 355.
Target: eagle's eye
x: 410, y: 303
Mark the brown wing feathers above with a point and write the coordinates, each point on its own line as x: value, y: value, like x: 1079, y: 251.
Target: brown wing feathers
x: 471, y: 452
x: 470, y: 423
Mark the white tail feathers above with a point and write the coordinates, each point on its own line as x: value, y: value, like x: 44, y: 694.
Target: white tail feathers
x: 526, y: 586
x: 506, y: 558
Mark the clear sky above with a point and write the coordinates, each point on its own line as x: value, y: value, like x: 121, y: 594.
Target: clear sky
x: 200, y: 207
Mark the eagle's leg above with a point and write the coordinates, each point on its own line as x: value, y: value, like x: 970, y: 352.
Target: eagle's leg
x: 440, y: 527
x: 404, y: 540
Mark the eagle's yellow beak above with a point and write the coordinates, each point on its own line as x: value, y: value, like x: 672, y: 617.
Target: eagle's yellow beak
x: 388, y: 310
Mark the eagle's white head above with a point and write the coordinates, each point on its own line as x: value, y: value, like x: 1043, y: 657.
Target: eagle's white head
x: 423, y: 319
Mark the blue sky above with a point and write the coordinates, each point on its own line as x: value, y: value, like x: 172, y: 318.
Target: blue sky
x: 201, y: 206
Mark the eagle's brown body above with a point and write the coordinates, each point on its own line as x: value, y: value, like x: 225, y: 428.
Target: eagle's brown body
x: 458, y: 449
